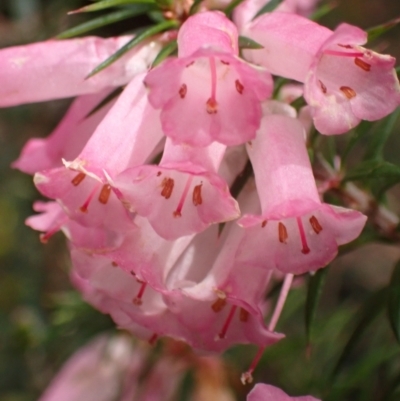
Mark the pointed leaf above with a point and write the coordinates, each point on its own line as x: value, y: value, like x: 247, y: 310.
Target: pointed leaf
x: 364, y: 317
x: 166, y: 51
x: 247, y: 43
x: 195, y: 6
x: 101, y: 5
x: 374, y: 169
x: 363, y: 129
x: 132, y: 43
x: 231, y: 6
x: 383, y: 131
x: 314, y: 291
x: 105, y: 20
x: 323, y: 10
x: 376, y: 31
x: 394, y: 301
x: 270, y: 6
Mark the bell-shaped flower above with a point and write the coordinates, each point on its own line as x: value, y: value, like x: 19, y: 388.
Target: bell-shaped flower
x: 344, y: 83
x: 59, y: 68
x: 183, y: 194
x: 295, y: 232
x: 208, y: 94
x: 68, y: 138
x: 266, y: 392
x: 82, y: 186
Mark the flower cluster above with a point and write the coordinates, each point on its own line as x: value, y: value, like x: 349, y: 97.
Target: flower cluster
x: 142, y: 186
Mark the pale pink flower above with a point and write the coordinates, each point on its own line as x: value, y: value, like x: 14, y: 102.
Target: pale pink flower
x: 344, y: 82
x: 57, y: 68
x: 295, y: 232
x: 208, y: 89
x: 266, y: 392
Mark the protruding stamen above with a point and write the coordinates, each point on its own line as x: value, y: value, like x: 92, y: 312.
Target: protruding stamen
x: 227, y: 323
x: 218, y: 305
x: 315, y: 225
x: 343, y: 54
x: 167, y: 187
x: 105, y: 194
x: 84, y: 207
x: 78, y: 179
x: 239, y: 86
x: 247, y: 377
x: 212, y: 104
x: 197, y: 199
x: 362, y: 64
x: 178, y: 211
x: 243, y: 315
x: 348, y: 92
x: 283, y: 234
x: 303, y: 238
x: 323, y: 87
x: 153, y: 339
x: 183, y: 91
x: 138, y: 299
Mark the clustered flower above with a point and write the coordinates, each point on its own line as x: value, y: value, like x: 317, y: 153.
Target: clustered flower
x: 141, y: 185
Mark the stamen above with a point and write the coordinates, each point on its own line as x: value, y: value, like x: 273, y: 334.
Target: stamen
x: 44, y: 238
x: 345, y: 46
x: 178, y: 211
x: 264, y: 223
x: 114, y: 264
x: 343, y: 54
x: 227, y: 323
x: 191, y: 63
x: 315, y: 225
x: 212, y: 104
x: 78, y: 179
x: 105, y: 194
x: 283, y: 235
x: 153, y: 339
x: 218, y: 305
x: 243, y: 315
x: 323, y: 87
x: 197, y: 199
x: 348, y: 92
x: 138, y: 299
x: 167, y: 187
x: 183, y: 91
x: 247, y: 377
x: 303, y: 238
x: 239, y: 86
x: 225, y: 62
x: 362, y: 64
x: 84, y: 207
x: 158, y: 173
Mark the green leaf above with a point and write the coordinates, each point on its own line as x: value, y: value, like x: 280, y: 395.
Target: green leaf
x: 166, y: 51
x: 101, y: 5
x: 298, y: 103
x: 323, y: 10
x: 314, y: 290
x: 163, y: 26
x: 364, y: 317
x: 194, y: 7
x: 383, y: 131
x: 394, y: 301
x: 376, y: 31
x: 270, y: 6
x: 363, y: 129
x: 247, y: 43
x: 105, y: 20
x: 231, y: 6
x: 373, y: 169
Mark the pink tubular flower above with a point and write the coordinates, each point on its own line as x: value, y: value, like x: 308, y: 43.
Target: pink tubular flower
x: 69, y: 137
x: 295, y: 232
x: 82, y: 186
x: 207, y: 94
x: 59, y: 68
x: 183, y: 194
x: 266, y: 392
x: 344, y: 82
